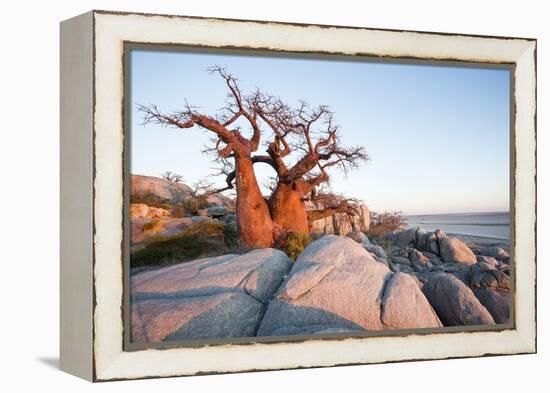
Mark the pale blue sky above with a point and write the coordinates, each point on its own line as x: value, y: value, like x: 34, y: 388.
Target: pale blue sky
x: 438, y: 137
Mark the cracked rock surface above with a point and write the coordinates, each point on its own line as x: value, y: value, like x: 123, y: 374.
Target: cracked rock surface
x: 219, y: 297
x: 337, y: 285
x: 454, y: 302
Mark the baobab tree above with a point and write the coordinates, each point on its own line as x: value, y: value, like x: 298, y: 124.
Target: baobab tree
x: 301, y: 144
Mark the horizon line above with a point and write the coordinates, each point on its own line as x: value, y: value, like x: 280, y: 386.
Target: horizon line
x: 458, y: 213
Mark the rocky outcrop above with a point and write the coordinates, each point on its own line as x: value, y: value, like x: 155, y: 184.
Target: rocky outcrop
x: 406, y: 237
x: 454, y: 302
x: 341, y: 223
x: 426, y: 255
x: 496, y: 302
x: 419, y: 261
x: 143, y: 230
x: 483, y: 275
x: 496, y: 252
x: 491, y: 285
x: 218, y: 297
x: 404, y: 306
x: 161, y: 190
x: 337, y: 284
x: 454, y: 250
x: 376, y: 251
x: 223, y: 315
x: 359, y: 237
x: 428, y: 249
x: 217, y: 211
x: 150, y: 223
x: 141, y: 210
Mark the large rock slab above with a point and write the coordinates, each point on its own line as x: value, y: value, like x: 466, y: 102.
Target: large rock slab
x: 405, y: 238
x: 214, y: 297
x: 496, y: 252
x: 496, y: 302
x: 163, y: 190
x: 454, y: 250
x: 404, y: 306
x: 336, y: 284
x: 259, y: 273
x: 454, y: 302
x: 222, y: 315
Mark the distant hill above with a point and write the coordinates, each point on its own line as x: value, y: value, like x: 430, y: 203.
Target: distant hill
x: 168, y: 192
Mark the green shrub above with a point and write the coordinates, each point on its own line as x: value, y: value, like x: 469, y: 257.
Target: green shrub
x: 148, y: 226
x: 205, y: 228
x: 295, y: 243
x: 200, y: 240
x: 185, y: 208
x: 194, y: 204
x: 387, y: 246
x: 151, y: 200
x: 231, y: 236
x: 176, y: 249
x: 152, y: 226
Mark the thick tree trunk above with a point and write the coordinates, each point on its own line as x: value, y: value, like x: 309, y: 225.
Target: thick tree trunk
x: 253, y: 218
x: 287, y: 207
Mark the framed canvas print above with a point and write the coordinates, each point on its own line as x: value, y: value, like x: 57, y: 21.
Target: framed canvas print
x: 247, y: 195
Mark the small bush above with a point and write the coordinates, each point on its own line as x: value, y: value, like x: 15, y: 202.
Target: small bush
x: 148, y: 225
x: 382, y: 223
x: 206, y: 228
x: 295, y: 243
x: 175, y: 250
x: 152, y: 200
x: 200, y: 240
x: 194, y: 204
x: 231, y: 236
x: 387, y: 246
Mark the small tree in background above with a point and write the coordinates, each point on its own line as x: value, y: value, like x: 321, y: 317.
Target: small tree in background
x: 171, y: 176
x: 200, y: 191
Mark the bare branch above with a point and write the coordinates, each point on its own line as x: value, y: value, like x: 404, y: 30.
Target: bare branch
x: 185, y: 119
x: 240, y: 102
x: 171, y: 176
x: 332, y: 204
x: 302, y: 145
x: 229, y: 181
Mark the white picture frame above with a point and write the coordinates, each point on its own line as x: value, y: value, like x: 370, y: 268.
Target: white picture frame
x: 92, y: 190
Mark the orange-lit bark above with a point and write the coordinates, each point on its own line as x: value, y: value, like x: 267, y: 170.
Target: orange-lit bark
x: 253, y: 218
x: 287, y: 207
